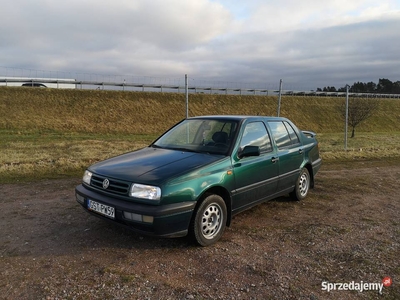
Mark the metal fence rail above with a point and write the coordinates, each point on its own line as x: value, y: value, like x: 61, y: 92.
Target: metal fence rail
x: 154, y: 87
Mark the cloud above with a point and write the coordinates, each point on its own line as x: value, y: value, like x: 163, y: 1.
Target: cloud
x: 308, y: 44
x: 288, y: 15
x: 313, y: 58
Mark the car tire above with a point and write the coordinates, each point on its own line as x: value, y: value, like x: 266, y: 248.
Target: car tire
x: 209, y: 221
x: 302, y: 185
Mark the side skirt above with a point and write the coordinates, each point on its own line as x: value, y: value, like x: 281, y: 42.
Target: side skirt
x: 265, y: 199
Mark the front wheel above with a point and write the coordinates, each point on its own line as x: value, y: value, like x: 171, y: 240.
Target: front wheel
x: 209, y: 221
x: 302, y: 185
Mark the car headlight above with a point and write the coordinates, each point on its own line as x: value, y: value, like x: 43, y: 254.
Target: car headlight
x: 87, y: 176
x: 145, y: 191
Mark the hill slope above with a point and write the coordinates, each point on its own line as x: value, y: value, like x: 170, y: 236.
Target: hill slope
x: 95, y: 111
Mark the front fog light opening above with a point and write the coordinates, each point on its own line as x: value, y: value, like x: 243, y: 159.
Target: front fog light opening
x: 80, y: 199
x: 138, y: 218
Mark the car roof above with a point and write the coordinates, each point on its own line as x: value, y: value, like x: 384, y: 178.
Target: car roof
x: 238, y: 117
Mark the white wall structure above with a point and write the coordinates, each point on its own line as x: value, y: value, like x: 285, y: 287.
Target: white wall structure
x: 38, y: 82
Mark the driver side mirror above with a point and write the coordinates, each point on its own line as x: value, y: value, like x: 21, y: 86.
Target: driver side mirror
x: 249, y: 151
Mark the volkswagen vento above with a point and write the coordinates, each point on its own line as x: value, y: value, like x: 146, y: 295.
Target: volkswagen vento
x: 200, y: 173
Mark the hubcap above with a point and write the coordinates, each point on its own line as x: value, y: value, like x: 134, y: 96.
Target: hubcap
x: 211, y: 221
x: 303, y: 184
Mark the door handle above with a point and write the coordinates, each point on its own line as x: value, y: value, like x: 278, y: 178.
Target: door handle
x: 274, y: 159
x: 301, y: 151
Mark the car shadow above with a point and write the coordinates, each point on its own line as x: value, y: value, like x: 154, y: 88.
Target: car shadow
x: 109, y: 235
x: 77, y: 231
x: 285, y: 199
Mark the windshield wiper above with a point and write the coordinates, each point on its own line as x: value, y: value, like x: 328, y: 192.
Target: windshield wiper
x: 183, y: 149
x: 156, y: 146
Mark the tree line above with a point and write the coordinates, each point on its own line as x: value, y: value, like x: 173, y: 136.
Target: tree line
x: 384, y: 86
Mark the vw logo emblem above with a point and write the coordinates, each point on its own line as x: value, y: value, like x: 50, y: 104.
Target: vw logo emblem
x: 106, y: 183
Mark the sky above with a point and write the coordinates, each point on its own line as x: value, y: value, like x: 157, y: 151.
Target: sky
x: 307, y: 44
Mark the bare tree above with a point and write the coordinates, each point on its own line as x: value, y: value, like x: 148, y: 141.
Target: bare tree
x: 360, y: 109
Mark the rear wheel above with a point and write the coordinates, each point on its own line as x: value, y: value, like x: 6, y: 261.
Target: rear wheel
x: 302, y: 185
x: 209, y: 221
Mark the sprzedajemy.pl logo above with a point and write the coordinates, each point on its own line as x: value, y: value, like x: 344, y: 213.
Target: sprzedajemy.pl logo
x: 357, y: 286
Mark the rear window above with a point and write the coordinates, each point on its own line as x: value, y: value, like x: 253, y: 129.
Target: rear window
x: 292, y: 134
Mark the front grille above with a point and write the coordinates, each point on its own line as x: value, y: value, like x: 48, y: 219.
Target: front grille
x: 116, y: 186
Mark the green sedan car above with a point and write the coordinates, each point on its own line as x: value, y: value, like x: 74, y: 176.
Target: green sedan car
x: 196, y: 176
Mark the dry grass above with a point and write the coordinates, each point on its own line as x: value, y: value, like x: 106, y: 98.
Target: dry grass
x: 51, y: 133
x: 35, y: 155
x: 109, y: 112
x: 363, y: 146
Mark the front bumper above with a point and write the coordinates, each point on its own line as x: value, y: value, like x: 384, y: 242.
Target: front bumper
x: 171, y: 220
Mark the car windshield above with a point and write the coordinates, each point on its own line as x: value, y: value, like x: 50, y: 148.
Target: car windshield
x: 200, y: 135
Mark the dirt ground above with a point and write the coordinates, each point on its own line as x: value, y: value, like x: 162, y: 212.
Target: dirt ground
x: 347, y: 230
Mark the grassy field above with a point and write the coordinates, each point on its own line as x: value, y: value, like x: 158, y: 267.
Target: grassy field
x: 49, y: 133
x: 31, y: 155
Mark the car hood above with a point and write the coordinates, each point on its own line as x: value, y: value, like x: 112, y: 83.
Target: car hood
x: 152, y: 165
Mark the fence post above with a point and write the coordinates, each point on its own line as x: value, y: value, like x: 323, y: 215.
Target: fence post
x: 187, y: 96
x: 346, y: 118
x: 279, y: 98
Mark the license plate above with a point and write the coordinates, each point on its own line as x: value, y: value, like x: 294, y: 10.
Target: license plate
x: 102, y: 209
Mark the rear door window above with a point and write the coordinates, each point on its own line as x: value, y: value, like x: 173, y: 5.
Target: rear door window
x: 280, y: 134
